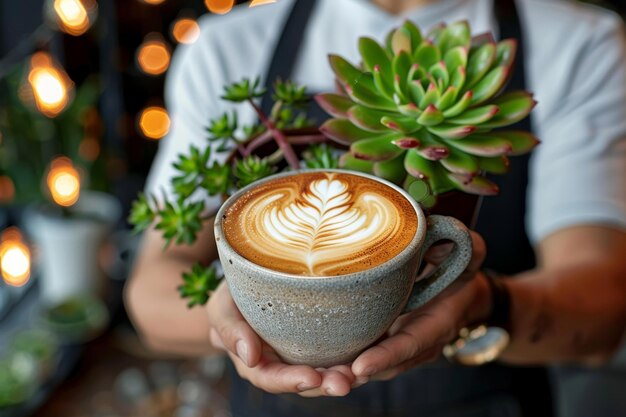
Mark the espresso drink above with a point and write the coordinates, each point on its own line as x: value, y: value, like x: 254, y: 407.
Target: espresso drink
x: 320, y: 224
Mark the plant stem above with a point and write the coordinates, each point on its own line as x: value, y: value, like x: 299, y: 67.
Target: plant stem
x: 281, y: 140
x: 304, y: 139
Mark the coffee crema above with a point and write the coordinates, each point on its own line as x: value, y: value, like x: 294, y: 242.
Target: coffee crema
x: 320, y: 224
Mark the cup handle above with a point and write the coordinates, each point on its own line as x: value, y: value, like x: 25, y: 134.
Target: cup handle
x: 439, y: 228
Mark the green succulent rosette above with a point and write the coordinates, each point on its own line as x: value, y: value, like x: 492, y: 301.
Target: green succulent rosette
x: 421, y: 110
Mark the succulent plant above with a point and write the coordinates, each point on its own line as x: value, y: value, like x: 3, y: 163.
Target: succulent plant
x: 423, y: 107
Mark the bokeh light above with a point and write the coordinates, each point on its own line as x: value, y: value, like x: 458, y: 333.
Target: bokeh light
x: 185, y: 30
x: 255, y: 3
x: 153, y: 2
x: 14, y: 258
x: 219, y: 6
x: 89, y: 149
x: 74, y: 16
x: 153, y: 56
x: 49, y: 84
x: 63, y: 182
x: 154, y: 122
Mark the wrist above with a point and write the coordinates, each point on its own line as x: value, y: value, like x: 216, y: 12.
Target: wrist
x: 499, y: 302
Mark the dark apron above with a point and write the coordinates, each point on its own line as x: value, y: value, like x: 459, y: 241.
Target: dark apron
x: 441, y: 389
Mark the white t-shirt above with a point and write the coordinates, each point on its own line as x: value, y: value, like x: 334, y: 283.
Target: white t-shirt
x: 576, y: 66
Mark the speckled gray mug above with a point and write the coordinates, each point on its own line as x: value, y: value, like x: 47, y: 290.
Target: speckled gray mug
x: 328, y: 321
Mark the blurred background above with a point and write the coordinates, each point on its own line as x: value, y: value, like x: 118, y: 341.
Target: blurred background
x: 81, y: 115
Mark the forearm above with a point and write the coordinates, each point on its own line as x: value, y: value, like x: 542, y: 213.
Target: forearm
x: 562, y: 314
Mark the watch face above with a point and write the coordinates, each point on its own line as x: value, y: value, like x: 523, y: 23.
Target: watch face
x: 479, y: 346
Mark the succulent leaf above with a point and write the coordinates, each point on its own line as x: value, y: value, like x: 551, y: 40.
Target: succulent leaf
x: 489, y: 85
x: 521, y: 142
x: 494, y: 165
x: 482, y: 145
x: 456, y: 34
x: 479, y: 63
x: 447, y: 98
x: 460, y: 163
x: 427, y: 54
x: 473, y: 185
x: 348, y: 161
x: 343, y: 131
x: 431, y: 96
x: 374, y: 55
x: 367, y: 119
x: 505, y: 52
x: 450, y: 131
x: 414, y: 32
x: 392, y: 169
x: 514, y: 106
x: 430, y: 116
x: 383, y: 83
x: 455, y: 58
x: 367, y: 97
x: 334, y: 104
x: 418, y: 166
x: 476, y: 115
x: 399, y: 123
x: 376, y: 148
x: 400, y: 41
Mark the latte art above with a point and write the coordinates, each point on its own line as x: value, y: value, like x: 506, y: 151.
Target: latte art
x: 320, y: 224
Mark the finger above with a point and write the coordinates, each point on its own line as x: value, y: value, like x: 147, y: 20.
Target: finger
x: 235, y: 334
x: 336, y: 382
x: 275, y: 377
x: 420, y: 332
x: 429, y: 355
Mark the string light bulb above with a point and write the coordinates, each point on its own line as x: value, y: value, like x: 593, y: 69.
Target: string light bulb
x: 154, y: 122
x: 185, y: 30
x: 255, y: 3
x: 63, y: 182
x: 73, y: 17
x: 14, y: 258
x: 153, y: 55
x: 49, y: 85
x: 219, y: 6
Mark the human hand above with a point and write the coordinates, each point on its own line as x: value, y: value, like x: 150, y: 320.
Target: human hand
x: 258, y: 363
x: 419, y: 336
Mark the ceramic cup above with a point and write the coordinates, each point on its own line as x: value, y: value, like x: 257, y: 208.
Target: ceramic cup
x: 325, y: 321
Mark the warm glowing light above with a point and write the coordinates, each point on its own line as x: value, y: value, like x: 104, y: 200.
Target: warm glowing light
x: 7, y: 189
x: 72, y: 16
x: 219, y: 6
x: 14, y: 258
x: 64, y: 182
x: 154, y: 122
x: 255, y: 3
x: 153, y: 1
x: 153, y: 57
x: 186, y: 30
x: 50, y: 85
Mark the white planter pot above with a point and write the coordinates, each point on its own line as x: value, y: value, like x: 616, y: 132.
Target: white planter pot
x: 68, y: 247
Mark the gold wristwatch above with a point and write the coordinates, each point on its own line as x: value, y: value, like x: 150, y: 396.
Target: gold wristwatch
x: 485, y: 342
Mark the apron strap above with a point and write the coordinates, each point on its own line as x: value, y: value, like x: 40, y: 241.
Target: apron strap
x: 286, y: 51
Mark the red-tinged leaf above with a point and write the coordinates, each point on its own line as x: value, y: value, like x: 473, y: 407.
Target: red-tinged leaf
x: 374, y: 55
x: 460, y: 105
x: 482, y: 145
x: 431, y: 116
x: 495, y: 165
x: 480, y: 61
x: 378, y: 148
x: 430, y: 97
x: 383, y: 83
x: 407, y: 143
x: 434, y: 152
x: 416, y: 72
x: 400, y: 124
x: 426, y: 55
x: 456, y: 34
x: 489, y: 85
x: 447, y: 99
x: 343, y: 131
x: 391, y: 170
x: 334, y: 104
x: 410, y: 109
x: 368, y: 98
x: 417, y: 166
x: 366, y: 118
x: 514, y: 106
x: 349, y: 75
x: 455, y: 57
x: 475, y: 116
x: 400, y: 41
x: 460, y: 163
x: 401, y: 65
x: 398, y: 87
x: 435, y: 32
x: 473, y: 185
x: 505, y: 52
x: 521, y: 141
x: 481, y: 39
x: 439, y: 183
x: 449, y: 131
x: 348, y: 161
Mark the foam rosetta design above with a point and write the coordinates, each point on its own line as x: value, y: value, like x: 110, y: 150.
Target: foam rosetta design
x: 327, y: 226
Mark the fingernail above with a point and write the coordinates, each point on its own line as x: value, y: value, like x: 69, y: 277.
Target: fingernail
x: 360, y: 380
x: 242, y: 351
x: 304, y: 386
x: 330, y: 391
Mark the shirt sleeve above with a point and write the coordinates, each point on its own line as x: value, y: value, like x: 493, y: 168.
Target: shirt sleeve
x: 191, y: 95
x: 578, y: 172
